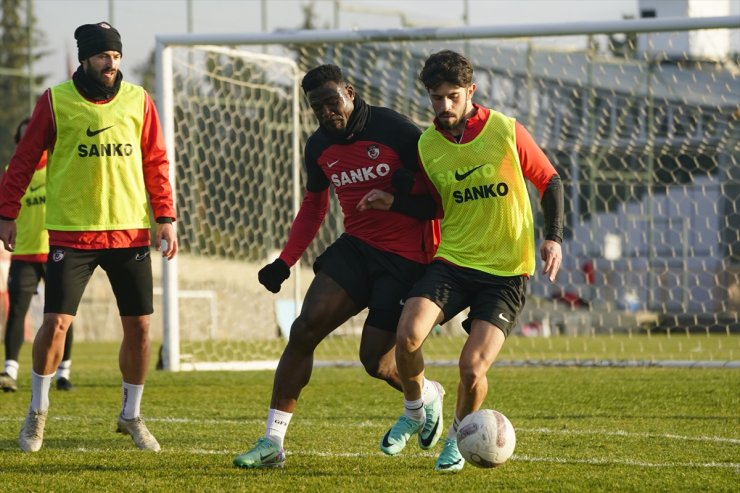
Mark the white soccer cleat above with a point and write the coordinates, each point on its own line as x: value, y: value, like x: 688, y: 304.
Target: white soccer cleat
x: 32, y: 432
x: 139, y: 433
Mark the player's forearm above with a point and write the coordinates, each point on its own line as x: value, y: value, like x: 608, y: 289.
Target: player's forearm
x: 417, y: 206
x: 305, y: 225
x: 553, y: 209
x: 160, y: 195
x: 156, y: 166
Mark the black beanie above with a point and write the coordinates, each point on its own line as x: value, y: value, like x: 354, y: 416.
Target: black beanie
x: 97, y: 38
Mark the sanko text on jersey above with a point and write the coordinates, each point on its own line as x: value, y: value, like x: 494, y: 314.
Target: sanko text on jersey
x: 367, y: 173
x: 489, y: 191
x: 98, y: 150
x: 31, y: 201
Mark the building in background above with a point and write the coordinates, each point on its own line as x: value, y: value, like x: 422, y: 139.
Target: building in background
x: 716, y: 44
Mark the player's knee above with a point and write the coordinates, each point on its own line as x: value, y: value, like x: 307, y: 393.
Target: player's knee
x: 407, y: 342
x: 304, y: 334
x: 54, y: 323
x: 371, y: 367
x: 135, y: 324
x: 378, y: 367
x: 471, y: 375
x: 135, y: 331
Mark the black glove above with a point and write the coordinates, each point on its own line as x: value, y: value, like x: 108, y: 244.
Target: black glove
x: 272, y: 275
x: 403, y: 180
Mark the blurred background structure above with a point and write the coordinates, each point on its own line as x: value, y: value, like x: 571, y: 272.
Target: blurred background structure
x: 641, y: 124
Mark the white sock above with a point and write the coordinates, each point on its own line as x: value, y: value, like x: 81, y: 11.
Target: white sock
x: 64, y: 369
x: 131, y: 400
x: 428, y: 391
x: 11, y: 368
x: 40, y: 385
x: 277, y: 425
x: 414, y: 409
x: 452, y: 432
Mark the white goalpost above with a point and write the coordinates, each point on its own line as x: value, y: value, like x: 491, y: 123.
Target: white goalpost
x: 638, y: 117
x: 267, y: 76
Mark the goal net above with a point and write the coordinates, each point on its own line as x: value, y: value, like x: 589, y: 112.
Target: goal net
x: 640, y: 118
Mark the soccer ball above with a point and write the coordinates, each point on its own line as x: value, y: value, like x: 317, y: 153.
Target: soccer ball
x: 486, y: 438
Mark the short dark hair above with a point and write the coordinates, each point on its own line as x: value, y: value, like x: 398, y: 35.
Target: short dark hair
x: 321, y: 75
x: 18, y: 133
x: 446, y: 66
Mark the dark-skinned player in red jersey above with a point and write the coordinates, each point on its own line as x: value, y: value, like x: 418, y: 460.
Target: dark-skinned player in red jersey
x: 357, y: 148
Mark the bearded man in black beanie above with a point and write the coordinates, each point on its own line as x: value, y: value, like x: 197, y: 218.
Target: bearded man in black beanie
x: 106, y: 160
x: 98, y: 75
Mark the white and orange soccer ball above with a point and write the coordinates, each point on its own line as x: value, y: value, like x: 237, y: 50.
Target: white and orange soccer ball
x: 486, y: 438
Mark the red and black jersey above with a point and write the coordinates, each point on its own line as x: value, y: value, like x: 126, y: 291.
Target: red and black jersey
x: 386, y: 142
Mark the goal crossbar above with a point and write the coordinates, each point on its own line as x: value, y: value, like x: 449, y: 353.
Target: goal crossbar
x: 225, y: 44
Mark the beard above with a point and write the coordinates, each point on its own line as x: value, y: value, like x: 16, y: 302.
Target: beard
x: 99, y: 76
x: 449, y: 121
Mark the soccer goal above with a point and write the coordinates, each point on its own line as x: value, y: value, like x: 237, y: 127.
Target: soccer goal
x: 640, y: 117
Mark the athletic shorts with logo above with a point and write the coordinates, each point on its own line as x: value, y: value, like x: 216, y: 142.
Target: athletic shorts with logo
x: 374, y: 279
x: 129, y: 270
x: 494, y: 299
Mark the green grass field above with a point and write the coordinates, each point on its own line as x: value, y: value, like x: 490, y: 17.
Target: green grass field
x: 578, y: 429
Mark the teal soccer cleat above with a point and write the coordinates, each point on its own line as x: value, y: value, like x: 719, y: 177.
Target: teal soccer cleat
x: 265, y: 453
x: 449, y: 459
x: 396, y: 438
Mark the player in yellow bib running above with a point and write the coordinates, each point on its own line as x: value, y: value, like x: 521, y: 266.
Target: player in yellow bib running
x: 476, y: 160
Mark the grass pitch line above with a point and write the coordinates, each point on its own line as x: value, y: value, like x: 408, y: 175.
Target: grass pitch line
x: 514, y: 458
x: 627, y: 462
x: 628, y: 434
x: 369, y: 424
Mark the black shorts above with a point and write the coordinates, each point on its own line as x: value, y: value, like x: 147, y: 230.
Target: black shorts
x: 129, y: 271
x: 24, y: 277
x: 374, y: 279
x: 494, y: 299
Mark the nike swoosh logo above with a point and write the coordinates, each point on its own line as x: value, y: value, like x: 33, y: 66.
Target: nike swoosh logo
x: 33, y: 189
x: 93, y: 133
x: 501, y: 316
x: 436, y: 159
x: 461, y: 176
x: 447, y: 466
x: 329, y: 165
x: 429, y: 439
x: 386, y: 443
x: 141, y: 256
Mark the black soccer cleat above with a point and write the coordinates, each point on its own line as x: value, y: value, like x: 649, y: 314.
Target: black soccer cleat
x: 64, y: 384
